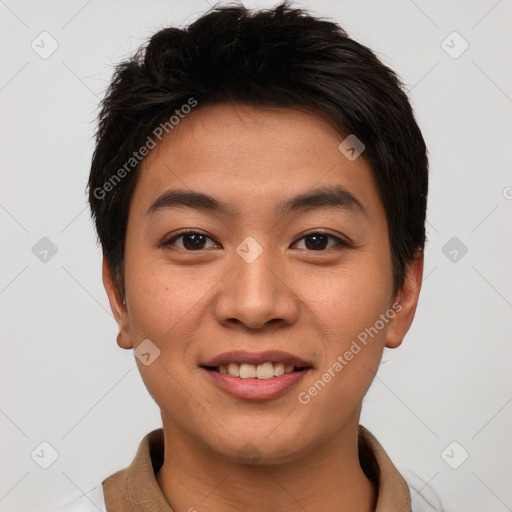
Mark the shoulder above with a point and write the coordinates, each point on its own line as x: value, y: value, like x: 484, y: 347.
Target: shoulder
x: 93, y: 501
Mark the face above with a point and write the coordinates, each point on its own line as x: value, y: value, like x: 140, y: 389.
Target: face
x: 286, y: 261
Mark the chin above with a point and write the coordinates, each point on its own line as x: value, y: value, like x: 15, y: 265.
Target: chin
x: 257, y: 449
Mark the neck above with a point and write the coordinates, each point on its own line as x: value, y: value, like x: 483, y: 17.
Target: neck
x: 328, y: 478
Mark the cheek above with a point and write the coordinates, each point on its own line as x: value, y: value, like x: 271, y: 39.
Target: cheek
x: 349, y: 319
x: 348, y: 313
x: 166, y: 307
x: 350, y: 298
x: 163, y: 301
x: 162, y: 312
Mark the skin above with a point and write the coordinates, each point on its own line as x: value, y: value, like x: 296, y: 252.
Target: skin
x: 196, y: 304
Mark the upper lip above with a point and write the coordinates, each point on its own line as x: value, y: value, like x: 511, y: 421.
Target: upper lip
x: 239, y: 356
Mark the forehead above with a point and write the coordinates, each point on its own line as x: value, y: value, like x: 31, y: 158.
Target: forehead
x: 248, y: 135
x: 250, y: 156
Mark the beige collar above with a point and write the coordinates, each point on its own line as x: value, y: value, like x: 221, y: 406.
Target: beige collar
x: 135, y: 488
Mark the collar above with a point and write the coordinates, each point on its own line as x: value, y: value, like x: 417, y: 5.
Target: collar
x: 135, y: 488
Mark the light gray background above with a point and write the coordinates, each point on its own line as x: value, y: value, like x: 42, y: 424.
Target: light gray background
x: 63, y: 378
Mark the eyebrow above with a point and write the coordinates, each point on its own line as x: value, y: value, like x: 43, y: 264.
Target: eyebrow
x: 332, y: 197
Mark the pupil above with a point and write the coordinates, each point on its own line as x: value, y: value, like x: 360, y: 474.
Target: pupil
x: 319, y: 241
x: 195, y: 239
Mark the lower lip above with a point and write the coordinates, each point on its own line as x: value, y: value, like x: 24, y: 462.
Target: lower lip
x: 256, y: 389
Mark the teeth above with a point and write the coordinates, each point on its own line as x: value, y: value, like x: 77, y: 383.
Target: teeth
x: 234, y: 369
x: 264, y: 371
x: 252, y: 371
x: 247, y: 371
x: 279, y: 369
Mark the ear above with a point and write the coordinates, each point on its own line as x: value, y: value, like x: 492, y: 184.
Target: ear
x: 120, y: 311
x: 408, y: 300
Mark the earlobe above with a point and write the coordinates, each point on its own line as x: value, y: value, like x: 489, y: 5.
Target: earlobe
x: 118, y: 307
x: 408, y: 300
x: 124, y: 340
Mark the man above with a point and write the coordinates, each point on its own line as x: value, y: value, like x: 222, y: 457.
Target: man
x: 259, y: 188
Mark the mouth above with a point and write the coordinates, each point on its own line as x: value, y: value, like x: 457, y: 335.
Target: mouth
x: 255, y: 382
x: 261, y: 365
x: 263, y: 371
x: 256, y: 376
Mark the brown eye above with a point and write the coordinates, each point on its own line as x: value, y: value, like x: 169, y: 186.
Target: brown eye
x: 190, y: 241
x: 320, y: 241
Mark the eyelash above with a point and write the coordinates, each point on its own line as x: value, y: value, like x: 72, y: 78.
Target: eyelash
x: 340, y: 243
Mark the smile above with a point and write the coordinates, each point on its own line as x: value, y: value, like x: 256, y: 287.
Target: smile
x: 262, y: 371
x: 248, y: 386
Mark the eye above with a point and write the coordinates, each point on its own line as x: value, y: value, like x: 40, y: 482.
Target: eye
x: 190, y: 241
x: 195, y: 241
x: 319, y: 241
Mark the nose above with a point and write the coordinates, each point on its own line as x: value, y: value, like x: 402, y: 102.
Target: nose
x: 255, y: 294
